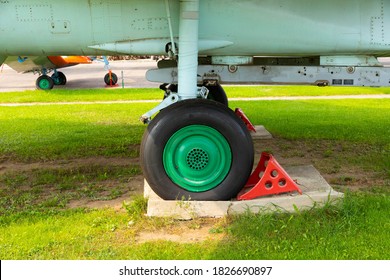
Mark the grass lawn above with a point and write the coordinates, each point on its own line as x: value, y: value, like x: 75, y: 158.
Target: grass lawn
x: 39, y: 144
x: 60, y: 95
x: 357, y: 228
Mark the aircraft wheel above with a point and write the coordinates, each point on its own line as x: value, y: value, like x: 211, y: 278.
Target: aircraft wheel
x: 218, y: 94
x: 59, y: 79
x: 197, y: 149
x: 112, y: 81
x: 44, y: 82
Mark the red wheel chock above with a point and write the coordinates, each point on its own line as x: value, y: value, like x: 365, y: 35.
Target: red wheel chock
x: 269, y: 178
x: 245, y: 119
x: 110, y: 79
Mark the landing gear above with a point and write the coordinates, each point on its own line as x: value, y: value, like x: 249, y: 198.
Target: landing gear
x: 216, y: 92
x: 59, y: 78
x: 197, y: 149
x: 111, y: 79
x: 44, y: 82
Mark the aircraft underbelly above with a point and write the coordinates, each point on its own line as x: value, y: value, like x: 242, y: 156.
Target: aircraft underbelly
x: 299, y: 27
x: 29, y: 64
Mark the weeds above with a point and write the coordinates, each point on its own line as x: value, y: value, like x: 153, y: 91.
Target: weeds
x: 56, y: 187
x: 137, y: 208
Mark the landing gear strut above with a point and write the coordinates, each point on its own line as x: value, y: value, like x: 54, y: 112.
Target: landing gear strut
x: 110, y: 78
x: 197, y: 149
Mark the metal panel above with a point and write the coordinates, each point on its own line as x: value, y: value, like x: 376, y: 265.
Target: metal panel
x: 313, y: 75
x: 254, y: 28
x: 380, y: 33
x: 34, y: 12
x: 106, y: 19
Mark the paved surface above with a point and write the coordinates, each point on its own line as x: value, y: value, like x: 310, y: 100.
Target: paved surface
x: 91, y: 76
x: 84, y: 76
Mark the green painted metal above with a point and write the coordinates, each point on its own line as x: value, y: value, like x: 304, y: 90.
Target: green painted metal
x: 247, y: 27
x: 197, y: 158
x: 44, y: 84
x: 2, y: 59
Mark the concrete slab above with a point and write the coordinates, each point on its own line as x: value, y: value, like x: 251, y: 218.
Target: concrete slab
x: 261, y: 133
x: 316, y: 192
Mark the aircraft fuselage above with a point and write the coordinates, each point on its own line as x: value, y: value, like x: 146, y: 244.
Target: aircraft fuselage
x: 226, y: 27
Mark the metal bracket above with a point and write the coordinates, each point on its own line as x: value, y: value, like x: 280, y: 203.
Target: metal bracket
x: 203, y: 92
x: 171, y: 99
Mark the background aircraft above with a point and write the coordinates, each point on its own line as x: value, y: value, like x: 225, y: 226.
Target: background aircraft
x: 196, y: 148
x: 43, y: 65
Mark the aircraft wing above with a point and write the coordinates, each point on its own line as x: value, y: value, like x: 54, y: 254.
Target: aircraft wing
x: 37, y: 63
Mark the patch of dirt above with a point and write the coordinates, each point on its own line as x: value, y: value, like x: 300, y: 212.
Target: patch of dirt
x: 182, y: 234
x: 12, y: 166
x: 95, y: 178
x: 337, y: 162
x: 334, y: 160
x: 136, y: 188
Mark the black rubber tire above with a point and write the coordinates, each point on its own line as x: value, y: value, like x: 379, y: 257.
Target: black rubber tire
x: 44, y: 82
x: 196, y: 112
x: 218, y: 94
x: 114, y: 79
x: 59, y: 79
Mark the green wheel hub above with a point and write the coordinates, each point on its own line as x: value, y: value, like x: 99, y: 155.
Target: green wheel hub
x: 44, y: 84
x: 197, y: 158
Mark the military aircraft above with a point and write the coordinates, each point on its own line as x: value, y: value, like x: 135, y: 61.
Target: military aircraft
x: 196, y: 147
x: 45, y: 64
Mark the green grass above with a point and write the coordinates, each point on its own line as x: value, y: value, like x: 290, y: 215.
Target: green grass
x: 36, y: 224
x: 65, y: 131
x: 88, y: 95
x: 279, y: 91
x: 46, y: 189
x: 52, y: 132
x: 352, y: 120
x: 360, y: 124
x: 357, y: 228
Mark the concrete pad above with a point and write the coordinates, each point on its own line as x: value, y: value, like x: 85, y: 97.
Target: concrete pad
x: 261, y: 133
x: 316, y: 192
